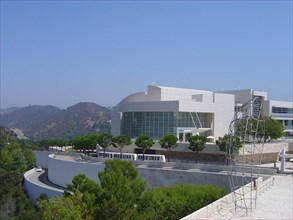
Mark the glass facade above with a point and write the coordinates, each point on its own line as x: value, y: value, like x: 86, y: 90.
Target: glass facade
x: 282, y: 110
x: 157, y: 124
x: 288, y: 122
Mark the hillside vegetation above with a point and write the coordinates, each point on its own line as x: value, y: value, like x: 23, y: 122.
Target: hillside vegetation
x: 47, y: 122
x: 16, y: 157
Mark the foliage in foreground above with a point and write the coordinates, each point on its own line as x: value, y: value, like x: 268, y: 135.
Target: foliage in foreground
x: 16, y: 157
x: 176, y: 201
x: 122, y: 194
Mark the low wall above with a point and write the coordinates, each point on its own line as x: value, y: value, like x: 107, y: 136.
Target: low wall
x: 266, y: 149
x: 182, y: 147
x: 290, y: 147
x: 63, y: 168
x: 42, y: 157
x: 228, y: 201
x: 211, y: 152
x: 34, y: 190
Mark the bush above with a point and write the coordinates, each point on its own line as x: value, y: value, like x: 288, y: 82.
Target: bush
x: 176, y: 201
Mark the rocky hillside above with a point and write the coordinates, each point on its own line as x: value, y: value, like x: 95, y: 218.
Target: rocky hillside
x: 44, y: 122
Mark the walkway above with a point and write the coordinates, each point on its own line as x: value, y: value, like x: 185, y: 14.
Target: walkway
x: 274, y: 202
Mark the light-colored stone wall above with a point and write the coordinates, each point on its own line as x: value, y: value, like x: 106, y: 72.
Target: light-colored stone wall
x: 62, y: 168
x: 42, y: 158
x: 34, y: 190
x: 61, y: 171
x: 226, y: 201
x: 267, y: 148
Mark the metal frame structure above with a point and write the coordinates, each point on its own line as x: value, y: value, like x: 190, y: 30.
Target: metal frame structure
x: 245, y: 163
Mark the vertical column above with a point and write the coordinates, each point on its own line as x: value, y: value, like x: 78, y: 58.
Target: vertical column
x: 282, y: 154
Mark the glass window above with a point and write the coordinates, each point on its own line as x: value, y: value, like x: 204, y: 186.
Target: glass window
x: 282, y: 110
x: 158, y: 124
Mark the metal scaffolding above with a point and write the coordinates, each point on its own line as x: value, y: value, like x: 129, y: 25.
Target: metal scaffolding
x: 248, y: 126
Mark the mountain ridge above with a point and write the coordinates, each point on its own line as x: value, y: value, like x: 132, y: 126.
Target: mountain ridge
x: 46, y: 122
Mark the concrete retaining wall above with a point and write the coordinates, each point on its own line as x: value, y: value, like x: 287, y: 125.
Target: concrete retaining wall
x: 62, y: 169
x: 42, y: 158
x: 290, y: 147
x: 267, y: 148
x: 34, y: 190
x: 211, y: 152
x: 227, y: 201
x: 214, y: 207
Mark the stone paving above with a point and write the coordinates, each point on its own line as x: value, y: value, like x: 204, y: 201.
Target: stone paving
x: 275, y: 200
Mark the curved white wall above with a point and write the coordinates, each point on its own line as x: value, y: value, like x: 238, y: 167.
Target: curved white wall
x: 34, y: 190
x: 62, y: 171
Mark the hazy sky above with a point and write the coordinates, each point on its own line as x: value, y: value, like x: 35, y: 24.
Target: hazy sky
x: 63, y: 52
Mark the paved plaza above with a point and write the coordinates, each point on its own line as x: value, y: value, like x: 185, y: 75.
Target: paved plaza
x: 275, y: 200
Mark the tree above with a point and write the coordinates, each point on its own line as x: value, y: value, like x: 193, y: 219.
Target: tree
x: 60, y: 143
x: 144, y: 142
x: 273, y: 129
x: 121, y: 190
x: 29, y: 157
x: 176, y: 201
x: 86, y: 142
x: 169, y: 141
x: 229, y: 144
x: 120, y: 142
x: 12, y: 158
x: 223, y: 142
x: 83, y: 184
x: 44, y: 143
x: 266, y: 129
x: 16, y: 157
x: 53, y: 142
x: 90, y: 190
x: 122, y: 194
x: 196, y: 144
x: 65, y: 207
x: 104, y: 141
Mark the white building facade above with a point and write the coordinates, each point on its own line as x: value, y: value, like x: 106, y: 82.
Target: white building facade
x: 279, y: 110
x: 283, y: 112
x: 185, y: 112
x: 166, y: 110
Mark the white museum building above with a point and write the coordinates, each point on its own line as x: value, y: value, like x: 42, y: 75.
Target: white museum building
x: 184, y: 112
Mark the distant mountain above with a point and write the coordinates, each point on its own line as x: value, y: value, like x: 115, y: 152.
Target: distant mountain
x: 6, y: 110
x: 44, y: 122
